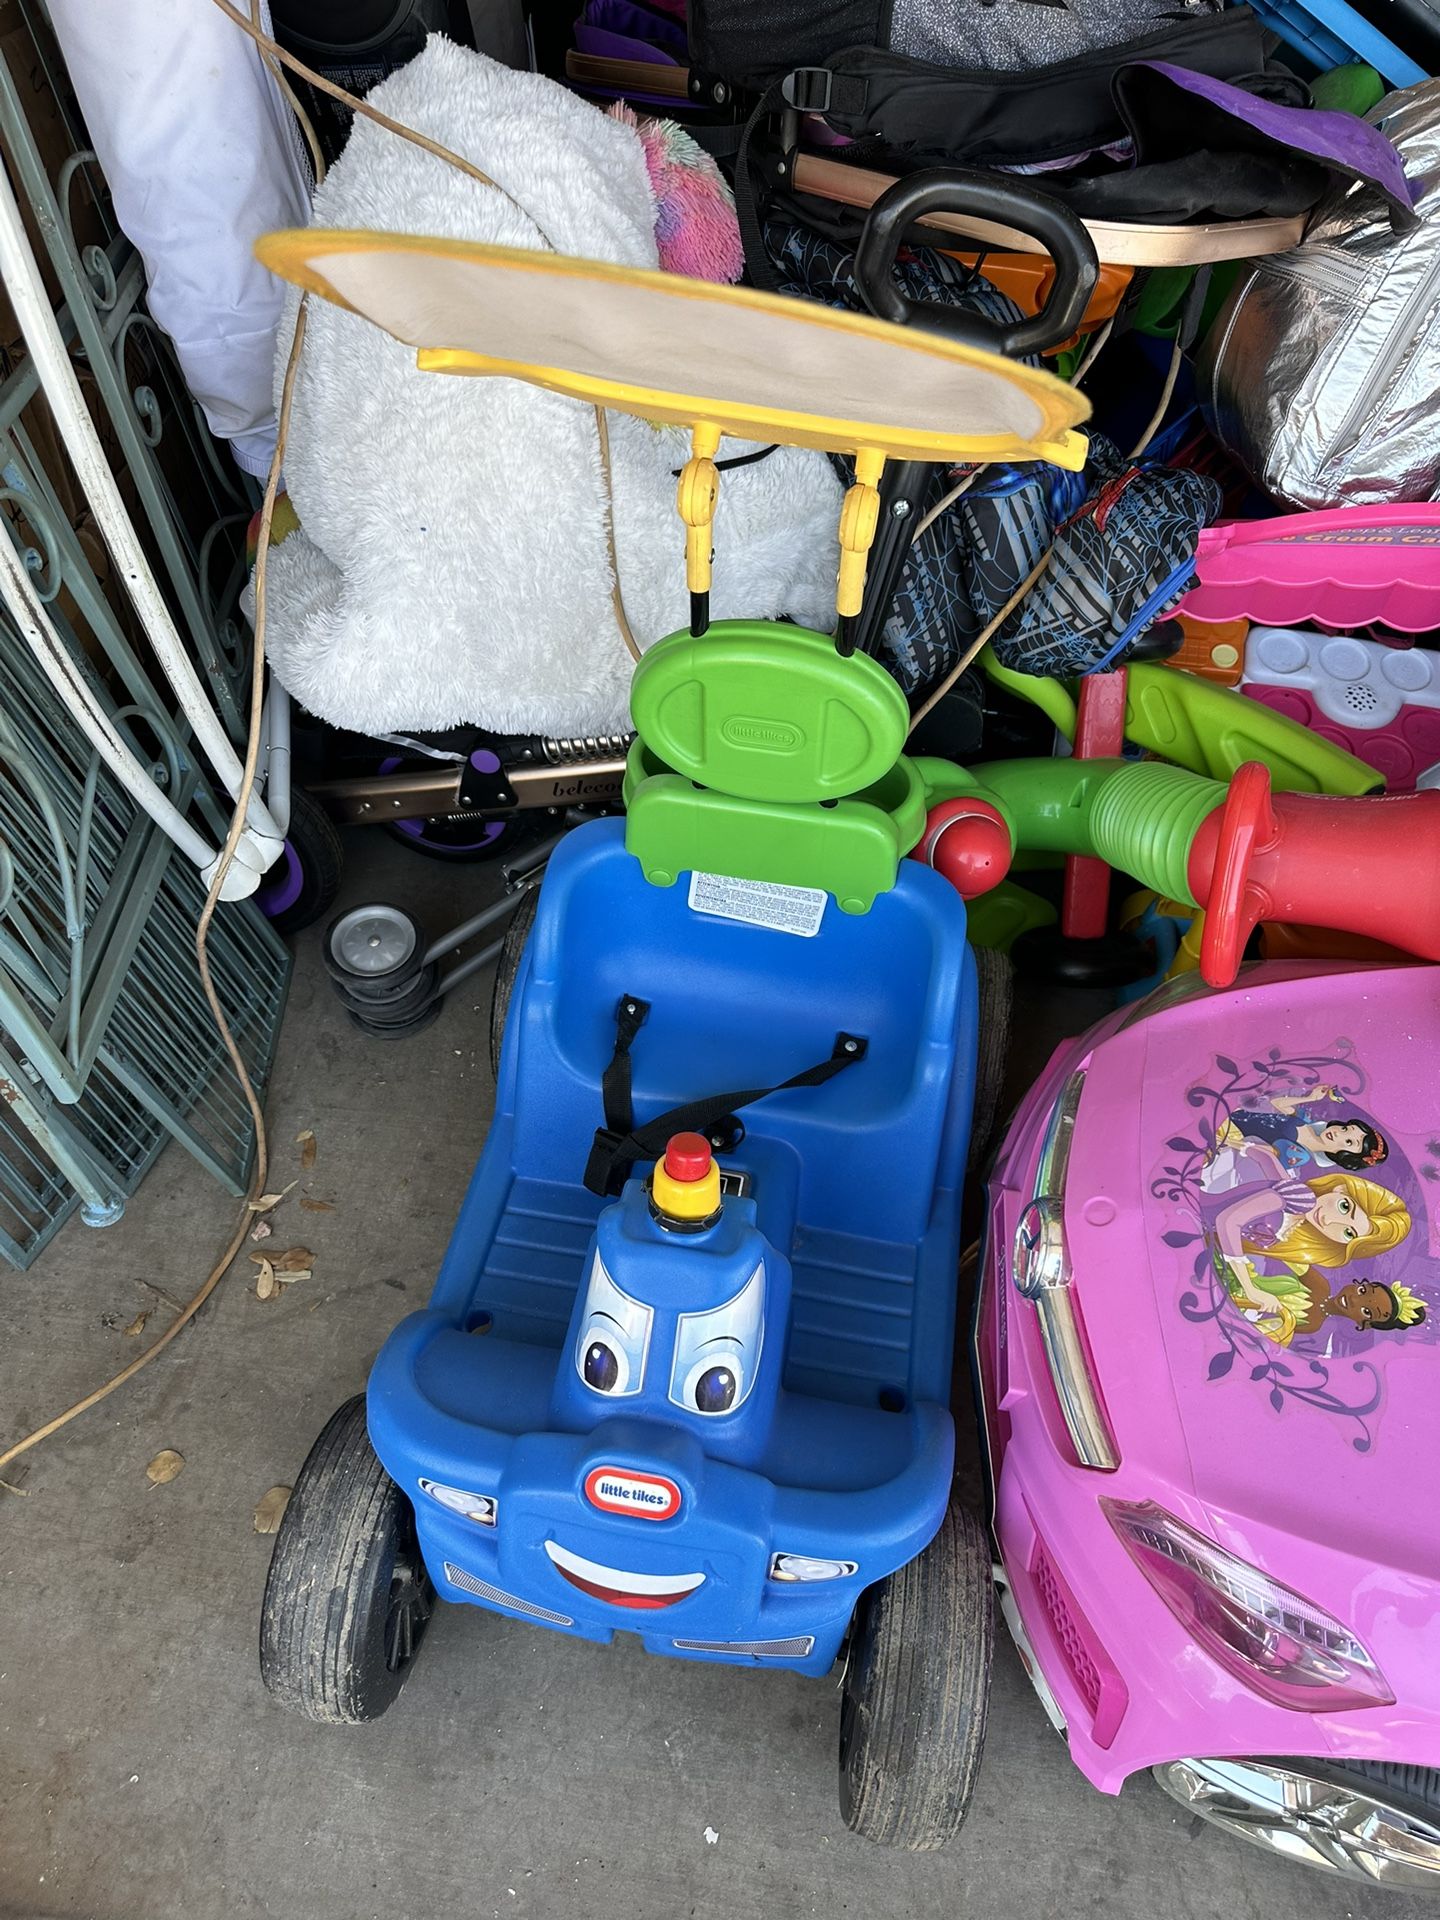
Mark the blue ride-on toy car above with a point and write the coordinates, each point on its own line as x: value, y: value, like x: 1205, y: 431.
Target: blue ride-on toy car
x: 712, y: 1410
x: 686, y: 1370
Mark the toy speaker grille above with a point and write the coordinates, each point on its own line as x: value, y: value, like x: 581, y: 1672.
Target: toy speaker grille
x: 482, y: 1590
x: 795, y: 1648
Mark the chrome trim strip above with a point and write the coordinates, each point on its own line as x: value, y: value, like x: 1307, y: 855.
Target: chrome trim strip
x: 1040, y: 1269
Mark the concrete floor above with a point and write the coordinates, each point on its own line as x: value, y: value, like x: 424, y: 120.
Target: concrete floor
x: 144, y: 1773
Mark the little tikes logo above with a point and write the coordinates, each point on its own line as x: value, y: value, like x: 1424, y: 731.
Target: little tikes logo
x: 649, y: 1496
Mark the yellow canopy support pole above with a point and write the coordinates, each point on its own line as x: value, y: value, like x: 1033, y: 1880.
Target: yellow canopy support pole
x: 695, y: 497
x: 859, y: 517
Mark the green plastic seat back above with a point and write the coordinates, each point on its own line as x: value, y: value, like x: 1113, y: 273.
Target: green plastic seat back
x: 765, y: 711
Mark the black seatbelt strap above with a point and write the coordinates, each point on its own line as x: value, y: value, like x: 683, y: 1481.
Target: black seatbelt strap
x: 630, y: 1016
x: 615, y: 1149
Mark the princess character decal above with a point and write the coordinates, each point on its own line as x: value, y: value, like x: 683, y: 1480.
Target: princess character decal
x: 1270, y: 1232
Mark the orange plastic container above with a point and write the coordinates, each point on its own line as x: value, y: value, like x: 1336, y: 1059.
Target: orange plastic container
x: 1026, y: 278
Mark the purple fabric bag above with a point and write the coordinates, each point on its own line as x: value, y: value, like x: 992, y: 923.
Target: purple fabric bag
x: 1210, y: 149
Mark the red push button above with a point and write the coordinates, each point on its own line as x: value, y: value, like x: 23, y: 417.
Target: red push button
x: 687, y: 1157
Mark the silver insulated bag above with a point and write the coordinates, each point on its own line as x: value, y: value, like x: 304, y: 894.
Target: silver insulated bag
x: 1322, y: 370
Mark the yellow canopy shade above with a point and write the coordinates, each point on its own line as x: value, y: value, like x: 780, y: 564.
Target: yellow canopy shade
x: 688, y: 352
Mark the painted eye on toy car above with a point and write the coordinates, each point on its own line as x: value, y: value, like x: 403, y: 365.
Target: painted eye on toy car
x: 716, y: 1389
x: 603, y: 1367
x: 717, y: 1353
x: 614, y: 1336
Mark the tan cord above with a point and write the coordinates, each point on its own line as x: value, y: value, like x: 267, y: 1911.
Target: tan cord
x: 974, y: 647
x: 289, y: 95
x: 622, y: 619
x: 947, y: 500
x: 276, y: 58
x: 1093, y: 352
x: 227, y: 853
x: 1164, y: 401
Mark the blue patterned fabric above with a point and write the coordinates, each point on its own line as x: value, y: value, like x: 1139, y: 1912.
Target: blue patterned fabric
x: 931, y: 618
x: 1124, y: 538
x: 1124, y: 554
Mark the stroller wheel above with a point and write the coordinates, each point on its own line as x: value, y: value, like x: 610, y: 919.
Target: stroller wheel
x: 306, y: 878
x: 465, y: 836
x: 373, y: 951
x: 471, y: 837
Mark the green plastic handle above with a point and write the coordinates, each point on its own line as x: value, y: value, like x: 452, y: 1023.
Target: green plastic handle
x: 1206, y: 727
x: 1138, y: 816
x: 1212, y: 729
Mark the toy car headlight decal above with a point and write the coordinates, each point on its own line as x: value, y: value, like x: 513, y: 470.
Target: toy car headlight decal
x: 482, y: 1508
x: 804, y: 1566
x: 614, y: 1338
x: 717, y: 1353
x: 1280, y: 1645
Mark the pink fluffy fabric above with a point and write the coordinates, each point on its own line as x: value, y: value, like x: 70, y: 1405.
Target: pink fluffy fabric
x: 696, y: 231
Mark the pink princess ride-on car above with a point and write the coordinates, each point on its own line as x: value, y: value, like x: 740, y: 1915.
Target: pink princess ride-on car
x: 1208, y: 1349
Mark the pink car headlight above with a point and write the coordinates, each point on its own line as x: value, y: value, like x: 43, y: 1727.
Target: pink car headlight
x: 1281, y: 1646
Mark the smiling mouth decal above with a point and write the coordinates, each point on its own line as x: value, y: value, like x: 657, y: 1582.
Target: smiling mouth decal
x: 619, y: 1587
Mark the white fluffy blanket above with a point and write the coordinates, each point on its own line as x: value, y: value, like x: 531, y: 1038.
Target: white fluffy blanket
x: 453, y: 564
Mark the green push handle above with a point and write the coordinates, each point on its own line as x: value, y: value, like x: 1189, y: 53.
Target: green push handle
x: 1206, y: 728
x: 1138, y: 816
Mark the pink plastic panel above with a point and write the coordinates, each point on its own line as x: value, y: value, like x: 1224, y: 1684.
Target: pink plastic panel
x: 1401, y: 751
x: 1346, y: 568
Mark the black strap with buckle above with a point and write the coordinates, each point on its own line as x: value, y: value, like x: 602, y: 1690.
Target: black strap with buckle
x: 620, y: 1143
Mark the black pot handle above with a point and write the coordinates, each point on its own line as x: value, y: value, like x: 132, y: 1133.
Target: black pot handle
x: 986, y: 197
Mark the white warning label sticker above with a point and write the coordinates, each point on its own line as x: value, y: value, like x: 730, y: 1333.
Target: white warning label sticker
x: 760, y: 903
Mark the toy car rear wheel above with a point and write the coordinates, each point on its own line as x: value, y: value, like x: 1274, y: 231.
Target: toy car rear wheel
x: 996, y: 979
x: 1368, y: 1821
x: 916, y: 1691
x: 348, y: 1598
x: 506, y: 968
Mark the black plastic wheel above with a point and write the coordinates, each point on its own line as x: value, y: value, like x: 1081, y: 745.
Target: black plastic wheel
x: 1366, y: 1822
x: 305, y: 880
x: 403, y: 1014
x: 996, y: 980
x: 1114, y: 960
x: 467, y: 838
x: 506, y: 968
x: 916, y: 1692
x: 348, y: 1598
x: 373, y: 951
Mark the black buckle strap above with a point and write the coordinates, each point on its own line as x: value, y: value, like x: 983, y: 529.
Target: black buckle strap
x: 615, y: 1149
x: 630, y: 1015
x: 808, y: 89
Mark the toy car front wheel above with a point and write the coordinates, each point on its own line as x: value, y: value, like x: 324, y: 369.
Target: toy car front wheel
x: 916, y: 1689
x: 1368, y: 1821
x: 348, y: 1597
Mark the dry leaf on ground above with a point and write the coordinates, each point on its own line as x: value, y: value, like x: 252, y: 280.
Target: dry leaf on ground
x: 317, y: 1206
x: 266, y: 1285
x: 137, y: 1325
x: 306, y: 1143
x: 164, y: 1467
x: 296, y: 1260
x: 271, y: 1510
x: 263, y: 1202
